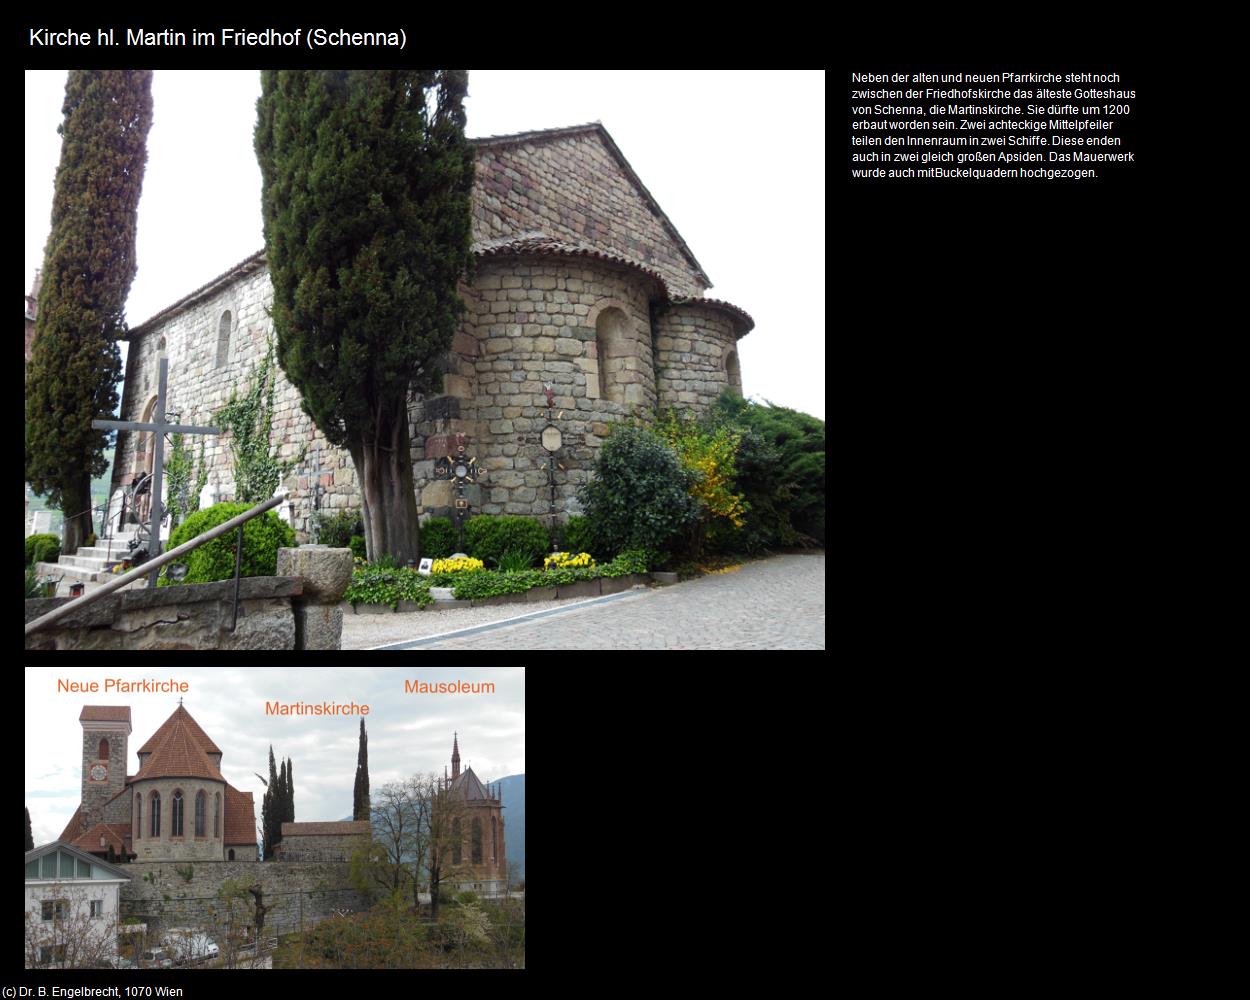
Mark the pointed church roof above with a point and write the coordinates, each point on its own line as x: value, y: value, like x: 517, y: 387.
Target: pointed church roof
x: 468, y: 786
x: 70, y: 833
x: 181, y: 715
x: 240, y: 818
x: 178, y: 751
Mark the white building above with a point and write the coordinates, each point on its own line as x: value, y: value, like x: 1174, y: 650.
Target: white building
x: 71, y: 908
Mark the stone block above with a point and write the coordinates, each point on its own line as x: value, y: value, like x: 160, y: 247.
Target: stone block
x: 437, y: 494
x: 326, y: 572
x: 318, y: 626
x: 581, y: 589
x: 458, y: 386
x: 536, y: 594
x: 568, y: 346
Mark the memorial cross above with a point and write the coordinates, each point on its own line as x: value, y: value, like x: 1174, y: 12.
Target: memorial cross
x: 159, y: 429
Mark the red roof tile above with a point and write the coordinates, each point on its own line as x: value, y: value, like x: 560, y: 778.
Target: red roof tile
x: 240, y: 817
x: 183, y: 716
x: 71, y: 828
x: 179, y: 753
x: 105, y: 713
x: 115, y: 835
x: 539, y: 244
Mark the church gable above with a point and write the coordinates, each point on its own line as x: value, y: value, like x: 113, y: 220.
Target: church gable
x: 576, y: 185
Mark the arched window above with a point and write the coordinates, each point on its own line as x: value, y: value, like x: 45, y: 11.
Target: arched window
x: 733, y: 370
x: 611, y: 328
x: 176, y: 819
x: 223, y: 339
x: 477, y: 841
x: 138, y: 817
x: 217, y: 817
x: 494, y: 840
x: 103, y: 753
x: 230, y: 854
x: 456, y: 855
x: 201, y: 810
x: 155, y: 810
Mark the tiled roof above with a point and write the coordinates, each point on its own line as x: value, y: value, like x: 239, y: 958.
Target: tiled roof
x: 345, y: 827
x: 183, y: 716
x: 740, y: 315
x: 539, y: 244
x: 70, y: 833
x: 116, y: 835
x: 105, y: 713
x: 179, y: 753
x: 240, y: 817
x: 246, y: 266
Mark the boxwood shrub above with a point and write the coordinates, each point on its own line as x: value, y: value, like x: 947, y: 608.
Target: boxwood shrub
x: 42, y: 548
x: 488, y: 537
x: 438, y: 538
x: 262, y: 537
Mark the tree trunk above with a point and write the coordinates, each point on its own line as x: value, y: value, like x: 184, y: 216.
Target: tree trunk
x: 74, y: 530
x: 389, y: 502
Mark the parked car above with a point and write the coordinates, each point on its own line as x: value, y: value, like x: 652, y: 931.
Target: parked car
x: 157, y: 958
x: 187, y: 946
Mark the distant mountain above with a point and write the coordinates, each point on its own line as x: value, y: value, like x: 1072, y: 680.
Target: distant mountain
x: 514, y: 818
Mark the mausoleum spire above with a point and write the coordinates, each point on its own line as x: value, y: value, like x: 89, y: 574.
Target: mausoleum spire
x: 455, y: 756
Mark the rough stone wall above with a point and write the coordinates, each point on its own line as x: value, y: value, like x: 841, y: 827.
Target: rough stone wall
x: 326, y: 847
x: 573, y: 188
x: 536, y: 321
x: 692, y: 356
x: 188, y: 847
x: 316, y: 889
x: 121, y: 809
x: 197, y: 387
x: 96, y: 794
x: 248, y: 852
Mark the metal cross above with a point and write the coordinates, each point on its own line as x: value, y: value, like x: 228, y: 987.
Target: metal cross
x: 159, y: 429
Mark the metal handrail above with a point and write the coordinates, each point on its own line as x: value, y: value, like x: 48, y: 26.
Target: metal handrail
x: 151, y: 565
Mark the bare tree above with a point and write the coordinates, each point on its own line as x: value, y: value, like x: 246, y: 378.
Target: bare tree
x: 61, y: 933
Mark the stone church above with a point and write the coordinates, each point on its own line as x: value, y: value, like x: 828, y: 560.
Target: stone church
x: 478, y: 854
x: 584, y: 296
x: 178, y: 806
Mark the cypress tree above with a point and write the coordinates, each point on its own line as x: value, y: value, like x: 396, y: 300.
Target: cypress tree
x: 89, y: 263
x: 269, y: 811
x: 279, y: 803
x: 360, y: 793
x: 30, y: 837
x: 365, y: 197
x: 289, y: 812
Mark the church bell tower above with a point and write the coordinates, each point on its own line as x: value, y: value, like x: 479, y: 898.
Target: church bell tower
x: 105, y: 729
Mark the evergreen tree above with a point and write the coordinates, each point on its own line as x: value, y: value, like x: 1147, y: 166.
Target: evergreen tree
x: 365, y: 196
x: 280, y: 804
x: 270, y: 814
x: 289, y: 810
x: 360, y: 793
x: 89, y: 263
x: 30, y: 837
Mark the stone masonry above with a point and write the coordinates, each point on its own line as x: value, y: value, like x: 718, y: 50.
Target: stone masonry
x: 582, y: 284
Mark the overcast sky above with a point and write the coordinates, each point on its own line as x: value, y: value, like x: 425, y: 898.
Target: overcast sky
x: 735, y: 159
x: 407, y: 732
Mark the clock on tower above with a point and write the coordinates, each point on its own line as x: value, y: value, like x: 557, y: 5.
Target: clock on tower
x: 100, y: 772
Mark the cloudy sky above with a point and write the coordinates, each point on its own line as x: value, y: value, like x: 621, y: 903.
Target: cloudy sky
x: 735, y: 159
x: 407, y: 732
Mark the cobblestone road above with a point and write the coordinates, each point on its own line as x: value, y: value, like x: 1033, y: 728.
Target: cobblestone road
x: 776, y: 603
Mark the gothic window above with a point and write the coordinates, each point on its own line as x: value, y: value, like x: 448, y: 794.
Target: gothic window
x: 176, y: 819
x: 138, y: 816
x: 201, y: 802
x: 217, y: 816
x: 494, y: 840
x: 455, y: 842
x: 230, y: 854
x: 104, y: 750
x: 223, y: 339
x: 477, y: 841
x: 155, y: 810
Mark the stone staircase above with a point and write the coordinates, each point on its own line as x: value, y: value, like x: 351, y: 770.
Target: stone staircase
x: 91, y: 564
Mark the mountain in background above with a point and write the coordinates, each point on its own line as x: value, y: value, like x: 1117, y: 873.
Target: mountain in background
x: 513, y: 787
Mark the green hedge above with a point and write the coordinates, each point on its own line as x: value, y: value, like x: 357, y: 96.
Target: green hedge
x: 262, y: 537
x: 577, y: 536
x: 336, y: 530
x: 438, y: 538
x: 372, y: 585
x: 488, y: 537
x: 42, y: 548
